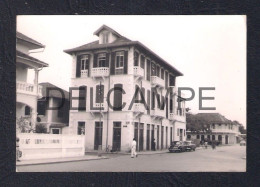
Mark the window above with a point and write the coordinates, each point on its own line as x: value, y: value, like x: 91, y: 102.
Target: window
x: 101, y: 60
x: 105, y: 37
x: 99, y: 93
x: 81, y: 127
x: 142, y: 61
x: 136, y: 59
x: 84, y: 62
x: 153, y: 68
x: 198, y: 137
x: 27, y: 111
x: 82, y: 98
x: 41, y: 107
x: 120, y: 59
x: 158, y: 71
x: 162, y: 73
x: 172, y: 80
x: 55, y: 131
x: 213, y: 126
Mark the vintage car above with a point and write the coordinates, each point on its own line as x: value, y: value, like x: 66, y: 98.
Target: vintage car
x: 177, y: 147
x: 189, y: 146
x: 243, y: 142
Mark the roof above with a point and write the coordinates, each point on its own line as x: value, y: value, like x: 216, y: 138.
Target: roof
x: 27, y: 57
x: 120, y: 42
x: 53, y: 93
x: 213, y: 117
x: 104, y: 27
x: 28, y: 39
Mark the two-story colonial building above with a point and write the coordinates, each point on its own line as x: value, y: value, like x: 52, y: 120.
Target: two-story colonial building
x: 108, y: 74
x: 27, y: 93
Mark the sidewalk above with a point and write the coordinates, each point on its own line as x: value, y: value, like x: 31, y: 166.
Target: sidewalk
x: 59, y: 160
x: 125, y: 153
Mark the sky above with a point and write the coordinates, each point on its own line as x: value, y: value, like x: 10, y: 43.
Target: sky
x: 209, y: 50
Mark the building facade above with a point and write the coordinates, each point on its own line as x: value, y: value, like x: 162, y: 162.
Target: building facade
x: 220, y: 129
x: 27, y: 93
x: 53, y: 109
x: 121, y: 87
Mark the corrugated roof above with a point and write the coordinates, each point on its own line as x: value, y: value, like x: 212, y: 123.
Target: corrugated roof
x: 53, y: 93
x: 28, y: 39
x: 121, y: 42
x: 27, y: 57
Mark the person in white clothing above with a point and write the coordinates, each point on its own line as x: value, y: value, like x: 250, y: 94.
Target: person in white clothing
x: 133, y: 149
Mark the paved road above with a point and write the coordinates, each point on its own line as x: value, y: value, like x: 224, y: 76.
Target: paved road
x: 225, y: 159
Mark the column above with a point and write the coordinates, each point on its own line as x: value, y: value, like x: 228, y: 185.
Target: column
x: 36, y: 77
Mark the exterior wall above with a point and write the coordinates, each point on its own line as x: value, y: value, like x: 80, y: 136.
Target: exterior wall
x: 21, y: 73
x: 231, y: 137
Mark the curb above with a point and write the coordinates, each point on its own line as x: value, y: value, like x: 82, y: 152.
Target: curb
x: 55, y: 162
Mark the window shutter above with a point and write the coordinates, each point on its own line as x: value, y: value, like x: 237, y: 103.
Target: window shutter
x: 143, y: 92
x: 112, y: 67
x: 148, y: 69
x: 125, y: 62
x: 88, y: 65
x: 78, y: 67
x: 95, y: 61
x: 107, y: 60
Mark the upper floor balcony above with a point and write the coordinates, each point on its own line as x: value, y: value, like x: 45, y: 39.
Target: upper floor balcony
x: 100, y: 72
x: 29, y: 89
x: 181, y: 118
x: 139, y: 107
x: 157, y: 112
x: 99, y: 107
x: 84, y: 73
x: 157, y: 81
x: 138, y: 71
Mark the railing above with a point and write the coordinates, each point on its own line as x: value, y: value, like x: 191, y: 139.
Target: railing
x: 97, y: 107
x: 39, y: 146
x: 27, y: 88
x: 177, y: 117
x: 157, y: 81
x: 84, y: 73
x: 224, y: 130
x: 100, y: 72
x: 138, y: 71
x: 157, y: 112
x: 139, y: 107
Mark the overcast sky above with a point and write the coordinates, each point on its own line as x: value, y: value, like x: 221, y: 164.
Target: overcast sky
x: 209, y: 50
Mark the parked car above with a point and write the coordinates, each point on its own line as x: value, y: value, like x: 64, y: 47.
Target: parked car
x: 189, y: 146
x: 177, y: 147
x: 243, y: 142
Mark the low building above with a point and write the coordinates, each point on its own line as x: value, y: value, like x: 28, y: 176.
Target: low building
x: 27, y: 91
x: 53, y: 109
x: 220, y: 129
x: 115, y: 62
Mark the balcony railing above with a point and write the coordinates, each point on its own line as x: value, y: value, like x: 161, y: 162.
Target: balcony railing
x: 157, y: 81
x: 84, y: 73
x: 139, y: 107
x: 100, y: 72
x: 157, y: 112
x: 138, y: 71
x: 177, y: 117
x: 27, y: 88
x: 97, y: 107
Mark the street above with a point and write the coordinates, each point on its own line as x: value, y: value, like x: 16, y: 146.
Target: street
x: 223, y: 159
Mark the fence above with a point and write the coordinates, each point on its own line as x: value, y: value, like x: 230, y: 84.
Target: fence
x: 39, y: 146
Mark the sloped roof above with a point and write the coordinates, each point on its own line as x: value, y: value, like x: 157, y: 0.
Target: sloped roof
x: 28, y: 39
x: 104, y: 27
x: 53, y: 93
x: 213, y: 117
x: 27, y: 57
x: 121, y: 42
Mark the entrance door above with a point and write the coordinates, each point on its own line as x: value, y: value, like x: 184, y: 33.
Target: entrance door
x: 226, y: 139
x: 162, y: 132
x: 117, y: 136
x: 202, y: 138
x: 118, y: 97
x: 166, y: 137
x: 220, y: 139
x: 152, y: 137
x: 181, y: 134
x: 158, y: 128
x: 136, y: 135
x: 148, y: 137
x: 141, y: 137
x: 98, y: 135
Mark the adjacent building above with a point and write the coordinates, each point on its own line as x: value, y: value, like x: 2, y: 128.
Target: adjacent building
x: 220, y: 129
x: 133, y: 80
x: 27, y: 93
x: 53, y: 109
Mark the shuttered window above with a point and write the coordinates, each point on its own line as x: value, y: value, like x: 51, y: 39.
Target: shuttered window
x: 136, y: 58
x: 142, y: 61
x: 100, y: 94
x: 82, y: 98
x: 148, y: 69
x: 162, y: 74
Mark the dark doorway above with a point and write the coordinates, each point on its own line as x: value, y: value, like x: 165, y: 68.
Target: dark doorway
x: 202, y: 138
x: 141, y: 137
x: 152, y: 137
x: 117, y: 136
x: 98, y: 135
x: 158, y: 129
x: 148, y: 137
x: 220, y: 139
x: 81, y: 127
x: 208, y: 137
x: 181, y: 134
x: 226, y: 139
x: 213, y: 137
x: 166, y: 137
x: 118, y: 97
x: 171, y: 136
x: 162, y: 132
x: 136, y: 135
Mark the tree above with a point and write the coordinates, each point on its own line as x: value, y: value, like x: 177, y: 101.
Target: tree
x: 23, y: 125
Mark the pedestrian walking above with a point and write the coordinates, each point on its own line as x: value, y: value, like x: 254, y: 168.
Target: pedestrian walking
x: 206, y: 145
x: 18, y: 152
x: 133, y: 149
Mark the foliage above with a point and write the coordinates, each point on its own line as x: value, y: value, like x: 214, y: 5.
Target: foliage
x: 242, y: 129
x: 195, y: 123
x: 23, y: 125
x: 40, y: 128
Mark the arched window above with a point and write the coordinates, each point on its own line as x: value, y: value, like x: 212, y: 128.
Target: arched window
x: 82, y: 98
x: 27, y: 111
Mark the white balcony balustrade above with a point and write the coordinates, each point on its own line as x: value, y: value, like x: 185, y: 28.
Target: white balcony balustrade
x: 97, y: 107
x: 157, y: 112
x: 27, y: 88
x: 84, y: 73
x: 178, y: 115
x: 138, y: 71
x: 100, y: 72
x: 157, y: 81
x: 139, y: 107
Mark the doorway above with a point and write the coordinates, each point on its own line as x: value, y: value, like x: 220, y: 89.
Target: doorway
x: 98, y: 135
x: 116, y: 136
x: 181, y: 134
x: 141, y: 137
x: 226, y: 139
x: 148, y: 137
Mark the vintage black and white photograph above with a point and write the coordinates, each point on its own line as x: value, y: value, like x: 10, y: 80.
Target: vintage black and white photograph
x: 131, y: 93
